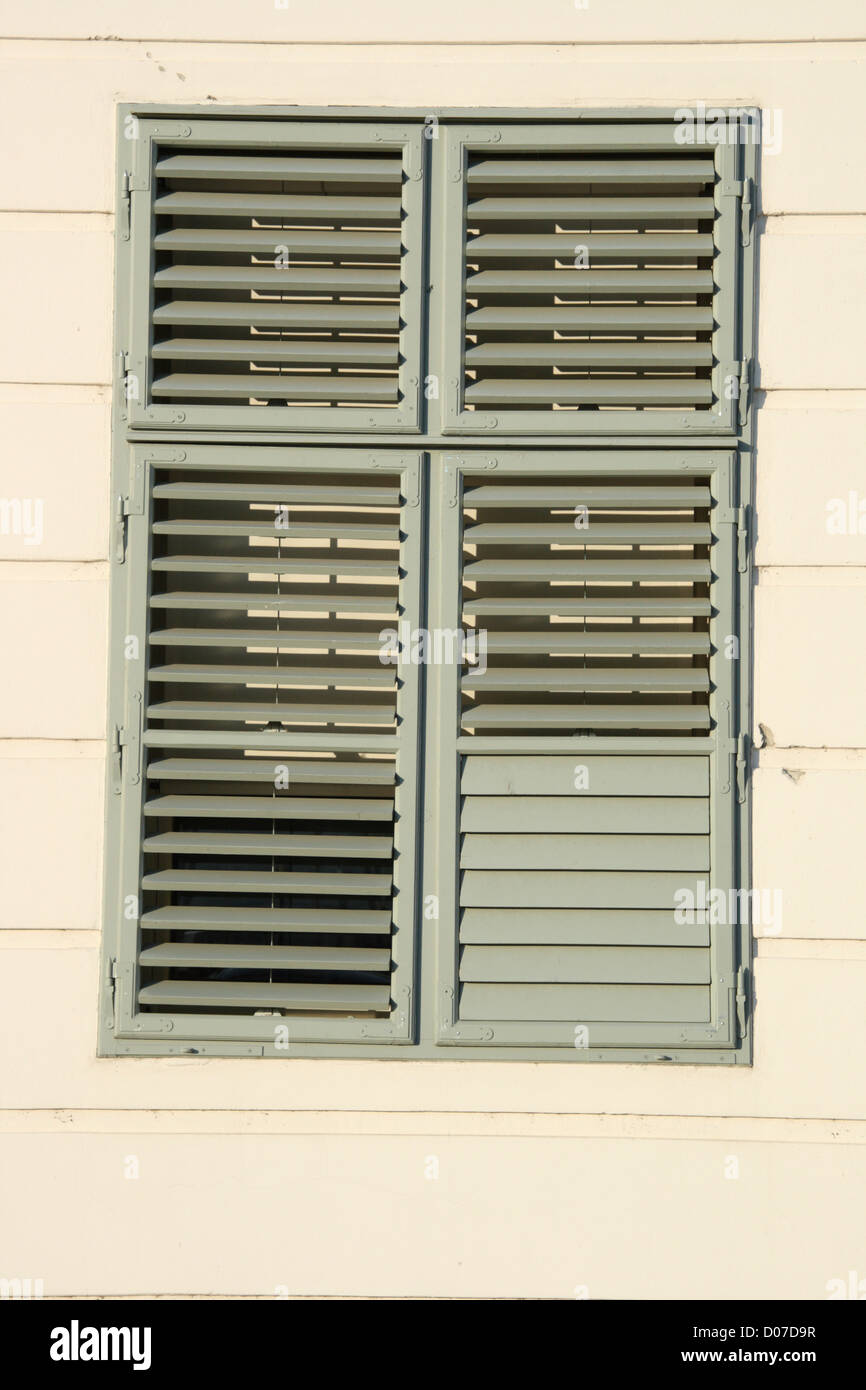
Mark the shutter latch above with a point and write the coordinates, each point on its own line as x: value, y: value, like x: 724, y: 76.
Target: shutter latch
x: 112, y: 989
x: 125, y: 205
x: 745, y: 389
x: 742, y: 540
x: 127, y: 736
x: 746, y: 212
x: 132, y: 505
x: 118, y: 740
x: 742, y: 998
x: 120, y: 515
x: 742, y: 767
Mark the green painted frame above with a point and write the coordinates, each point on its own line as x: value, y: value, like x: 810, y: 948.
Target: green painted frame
x: 140, y: 137
x: 163, y: 441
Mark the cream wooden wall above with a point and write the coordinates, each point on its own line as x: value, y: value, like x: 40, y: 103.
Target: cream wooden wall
x: 314, y: 1178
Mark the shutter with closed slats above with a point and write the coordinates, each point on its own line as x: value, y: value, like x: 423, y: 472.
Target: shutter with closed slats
x: 588, y: 788
x: 275, y: 265
x: 590, y: 280
x: 275, y: 806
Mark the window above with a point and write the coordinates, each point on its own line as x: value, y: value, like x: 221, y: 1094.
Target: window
x: 429, y: 639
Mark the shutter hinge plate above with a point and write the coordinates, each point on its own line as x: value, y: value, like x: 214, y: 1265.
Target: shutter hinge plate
x: 125, y: 749
x: 452, y: 477
x: 742, y: 539
x: 116, y: 754
x: 742, y: 1000
x: 112, y: 991
x: 744, y: 393
x: 731, y: 188
x: 746, y: 212
x: 125, y: 208
x: 742, y: 767
x: 739, y: 518
x: 130, y: 505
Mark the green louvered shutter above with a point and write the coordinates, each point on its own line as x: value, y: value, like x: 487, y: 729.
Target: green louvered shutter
x: 273, y: 275
x: 591, y: 273
x: 289, y: 277
x: 585, y: 757
x: 265, y: 776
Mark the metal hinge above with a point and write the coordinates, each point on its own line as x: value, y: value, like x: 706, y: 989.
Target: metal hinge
x: 129, y: 376
x: 130, y: 505
x: 746, y: 212
x: 111, y: 986
x: 120, y: 515
x: 742, y: 766
x: 743, y: 190
x: 116, y: 754
x: 122, y: 738
x: 744, y: 393
x: 127, y: 736
x: 738, y: 517
x: 125, y: 209
x: 451, y: 470
x: 742, y: 539
x: 742, y: 1000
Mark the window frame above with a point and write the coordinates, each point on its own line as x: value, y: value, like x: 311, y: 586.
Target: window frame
x: 431, y: 439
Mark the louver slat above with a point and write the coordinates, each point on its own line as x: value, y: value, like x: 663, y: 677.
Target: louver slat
x: 530, y: 172
x: 356, y: 318
x: 255, y: 919
x: 583, y: 354
x: 620, y: 393
x: 285, y: 274
x: 285, y: 808
x: 599, y: 245
x: 291, y: 353
x: 221, y: 995
x: 308, y: 279
x: 629, y: 210
x: 641, y: 718
x: 326, y: 169
x: 268, y: 881
x: 269, y: 874
x: 302, y: 239
x: 638, y: 282
x: 265, y: 957
x: 277, y: 205
x: 590, y: 1003
x: 312, y: 846
x: 596, y: 268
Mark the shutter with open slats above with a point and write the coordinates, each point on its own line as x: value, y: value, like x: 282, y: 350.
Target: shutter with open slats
x: 594, y: 602
x: 284, y: 272
x: 588, y: 760
x: 276, y: 800
x: 590, y: 275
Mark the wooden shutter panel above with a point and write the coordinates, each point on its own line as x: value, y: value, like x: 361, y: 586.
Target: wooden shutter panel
x: 586, y: 759
x: 268, y: 785
x: 274, y: 272
x: 591, y: 277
